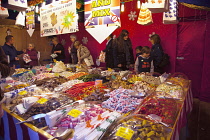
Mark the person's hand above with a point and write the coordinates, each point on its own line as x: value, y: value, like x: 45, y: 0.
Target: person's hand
x: 16, y: 58
x: 69, y: 49
x: 24, y: 50
x: 119, y: 65
x: 131, y: 65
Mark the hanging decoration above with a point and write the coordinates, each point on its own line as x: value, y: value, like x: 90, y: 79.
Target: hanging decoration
x: 30, y: 22
x: 145, y: 15
x: 85, y: 40
x: 132, y: 15
x: 3, y: 12
x: 122, y: 6
x: 35, y: 2
x: 18, y: 5
x: 9, y: 32
x: 158, y: 6
x: 20, y: 19
x: 60, y: 19
x: 171, y: 17
x: 63, y: 42
x: 138, y: 4
x: 102, y: 18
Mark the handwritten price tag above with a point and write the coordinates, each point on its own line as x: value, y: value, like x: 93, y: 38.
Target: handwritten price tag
x: 56, y: 74
x: 125, y: 133
x: 74, y: 113
x: 22, y: 92
x: 42, y: 100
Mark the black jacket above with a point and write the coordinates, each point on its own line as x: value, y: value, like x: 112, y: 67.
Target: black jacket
x: 156, y: 54
x: 109, y: 54
x: 59, y: 47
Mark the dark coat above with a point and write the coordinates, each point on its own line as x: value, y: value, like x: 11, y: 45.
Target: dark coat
x: 123, y: 54
x: 156, y: 54
x: 33, y: 57
x: 73, y: 54
x: 59, y: 47
x: 109, y: 54
x: 12, y: 52
x: 4, y: 67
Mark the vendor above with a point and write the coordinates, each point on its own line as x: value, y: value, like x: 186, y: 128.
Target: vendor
x: 83, y: 54
x: 11, y: 51
x: 58, y: 49
x: 31, y: 51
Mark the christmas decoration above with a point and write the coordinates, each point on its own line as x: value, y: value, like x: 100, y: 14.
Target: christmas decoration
x: 85, y: 40
x: 171, y: 17
x: 63, y: 42
x: 145, y: 15
x: 132, y: 15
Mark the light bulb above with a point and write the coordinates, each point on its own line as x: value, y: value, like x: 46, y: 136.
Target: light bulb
x: 37, y: 9
x: 38, y: 18
x: 138, y: 4
x: 43, y: 4
x: 122, y: 7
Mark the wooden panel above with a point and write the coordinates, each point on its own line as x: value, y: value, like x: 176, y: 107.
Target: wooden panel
x: 22, y: 39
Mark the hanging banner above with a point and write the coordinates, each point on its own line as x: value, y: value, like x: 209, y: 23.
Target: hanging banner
x: 60, y: 19
x: 30, y: 21
x: 100, y: 12
x: 18, y: 5
x: 3, y: 11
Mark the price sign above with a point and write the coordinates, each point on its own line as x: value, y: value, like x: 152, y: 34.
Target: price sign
x: 74, y: 113
x: 125, y: 133
x: 42, y: 100
x: 22, y: 92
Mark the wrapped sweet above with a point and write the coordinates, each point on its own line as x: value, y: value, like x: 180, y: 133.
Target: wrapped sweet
x: 143, y: 88
x: 118, y: 82
x: 59, y: 67
x: 43, y: 76
x: 84, y: 119
x: 133, y: 127
x: 170, y: 90
x: 121, y: 100
x: 152, y: 78
x: 89, y: 77
x: 77, y: 75
x: 179, y: 78
x: 27, y: 77
x: 66, y: 74
x: 67, y: 85
x: 51, y: 83
x: 76, y: 92
x: 165, y: 108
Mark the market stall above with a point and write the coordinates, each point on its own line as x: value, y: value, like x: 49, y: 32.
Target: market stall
x: 79, y: 105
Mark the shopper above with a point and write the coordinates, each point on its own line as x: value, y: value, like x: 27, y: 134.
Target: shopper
x: 83, y: 54
x: 73, y: 50
x: 4, y: 72
x: 58, y: 49
x: 109, y: 52
x: 31, y: 51
x: 123, y: 52
x: 11, y: 51
x: 156, y: 52
x: 143, y: 61
x: 138, y: 51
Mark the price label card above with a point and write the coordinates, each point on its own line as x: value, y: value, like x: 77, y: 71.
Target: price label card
x: 42, y: 100
x: 22, y: 92
x: 74, y: 113
x: 8, y: 86
x: 56, y: 74
x: 109, y: 69
x: 125, y: 133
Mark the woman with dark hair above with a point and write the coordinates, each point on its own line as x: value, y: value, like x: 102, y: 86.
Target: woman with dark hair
x: 156, y: 52
x: 123, y: 52
x: 109, y: 52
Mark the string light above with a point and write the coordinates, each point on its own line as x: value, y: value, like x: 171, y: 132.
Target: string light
x: 38, y: 18
x: 122, y: 7
x: 138, y: 4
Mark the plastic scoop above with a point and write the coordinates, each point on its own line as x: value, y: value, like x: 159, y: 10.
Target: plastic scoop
x: 38, y: 116
x: 157, y: 119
